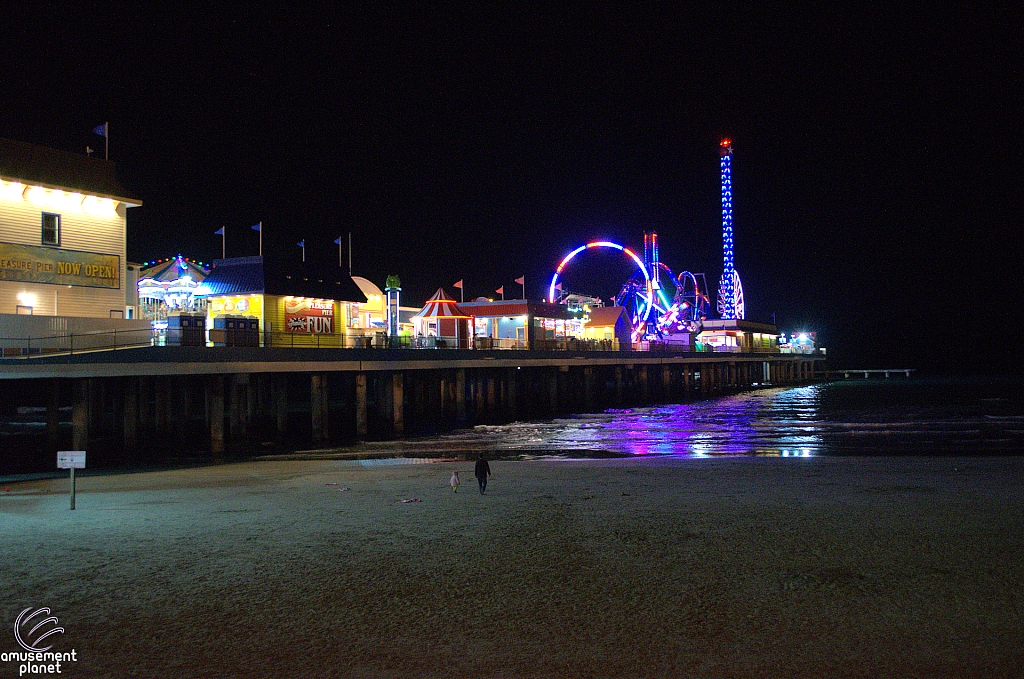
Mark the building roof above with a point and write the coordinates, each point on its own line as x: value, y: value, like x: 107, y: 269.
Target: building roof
x: 739, y: 325
x: 603, y: 316
x: 515, y: 307
x: 367, y: 286
x: 257, y: 275
x: 54, y: 169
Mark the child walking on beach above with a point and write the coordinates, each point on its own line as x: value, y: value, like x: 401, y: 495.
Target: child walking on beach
x: 455, y: 481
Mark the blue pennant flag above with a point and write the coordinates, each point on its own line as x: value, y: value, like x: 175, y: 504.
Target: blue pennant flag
x: 219, y: 232
x: 302, y: 243
x: 100, y: 130
x: 257, y: 226
x: 337, y: 241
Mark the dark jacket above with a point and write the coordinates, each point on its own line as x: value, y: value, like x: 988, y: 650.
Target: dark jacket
x: 482, y: 470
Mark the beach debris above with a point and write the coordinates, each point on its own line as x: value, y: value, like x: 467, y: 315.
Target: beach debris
x: 410, y: 499
x: 330, y: 484
x: 344, y: 488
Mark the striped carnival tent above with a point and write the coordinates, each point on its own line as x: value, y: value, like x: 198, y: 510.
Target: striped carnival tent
x: 442, y: 317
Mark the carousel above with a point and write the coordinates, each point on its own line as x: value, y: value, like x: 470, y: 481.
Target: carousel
x: 168, y: 286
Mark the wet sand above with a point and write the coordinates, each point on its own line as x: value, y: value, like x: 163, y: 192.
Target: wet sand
x: 853, y: 567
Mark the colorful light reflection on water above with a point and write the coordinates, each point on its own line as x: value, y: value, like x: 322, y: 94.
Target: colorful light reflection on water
x: 768, y: 422
x: 905, y: 417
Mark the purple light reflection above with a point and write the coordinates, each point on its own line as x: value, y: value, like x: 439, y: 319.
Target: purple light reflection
x: 770, y: 422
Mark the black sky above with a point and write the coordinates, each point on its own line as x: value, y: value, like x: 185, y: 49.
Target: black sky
x: 876, y: 177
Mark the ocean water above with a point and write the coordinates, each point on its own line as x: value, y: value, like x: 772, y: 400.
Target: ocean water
x: 898, y: 416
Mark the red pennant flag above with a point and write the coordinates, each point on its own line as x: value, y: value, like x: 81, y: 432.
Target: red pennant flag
x: 521, y: 280
x: 501, y: 290
x: 457, y: 284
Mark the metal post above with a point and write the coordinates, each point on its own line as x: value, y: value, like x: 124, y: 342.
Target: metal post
x: 72, y: 487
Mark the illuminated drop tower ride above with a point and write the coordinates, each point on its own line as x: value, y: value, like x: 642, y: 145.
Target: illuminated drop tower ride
x: 730, y: 290
x: 651, y: 259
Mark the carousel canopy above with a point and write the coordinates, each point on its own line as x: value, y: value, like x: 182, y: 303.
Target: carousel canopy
x: 172, y: 269
x: 440, y: 305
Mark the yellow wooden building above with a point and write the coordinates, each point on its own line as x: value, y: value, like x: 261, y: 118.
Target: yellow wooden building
x: 293, y: 305
x: 62, y: 234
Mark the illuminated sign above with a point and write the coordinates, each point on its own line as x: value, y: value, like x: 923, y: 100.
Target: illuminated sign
x: 237, y: 305
x: 311, y: 316
x: 33, y: 264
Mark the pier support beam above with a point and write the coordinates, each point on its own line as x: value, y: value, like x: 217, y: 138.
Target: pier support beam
x: 491, y: 410
x: 460, y: 396
x: 361, y: 414
x: 513, y: 392
x: 279, y: 399
x: 215, y: 399
x: 318, y: 409
x: 131, y: 417
x: 53, y: 415
x: 588, y: 389
x: 479, y: 399
x: 398, y: 404
x: 80, y: 415
x: 238, y: 408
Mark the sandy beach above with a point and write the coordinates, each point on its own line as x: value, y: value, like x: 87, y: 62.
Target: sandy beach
x: 838, y: 567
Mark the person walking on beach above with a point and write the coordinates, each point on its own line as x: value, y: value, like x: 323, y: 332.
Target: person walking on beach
x: 482, y: 471
x: 455, y: 481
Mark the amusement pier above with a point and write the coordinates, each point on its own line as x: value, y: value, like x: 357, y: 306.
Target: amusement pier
x: 141, y: 363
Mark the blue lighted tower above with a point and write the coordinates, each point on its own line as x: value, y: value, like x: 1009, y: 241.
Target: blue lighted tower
x: 730, y: 291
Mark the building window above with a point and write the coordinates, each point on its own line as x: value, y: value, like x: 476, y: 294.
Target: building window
x: 51, y: 229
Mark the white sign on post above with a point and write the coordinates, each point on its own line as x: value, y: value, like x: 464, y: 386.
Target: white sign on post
x: 70, y: 459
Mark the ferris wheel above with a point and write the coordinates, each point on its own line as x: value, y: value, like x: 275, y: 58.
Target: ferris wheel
x: 737, y: 296
x: 637, y: 295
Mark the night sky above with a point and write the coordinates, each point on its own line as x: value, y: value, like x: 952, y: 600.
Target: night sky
x: 876, y: 175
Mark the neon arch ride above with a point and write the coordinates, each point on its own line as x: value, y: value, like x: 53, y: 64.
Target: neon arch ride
x: 647, y: 297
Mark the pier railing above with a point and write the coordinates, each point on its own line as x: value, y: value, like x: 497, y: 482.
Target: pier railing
x: 865, y: 374
x: 75, y: 343
x: 81, y: 342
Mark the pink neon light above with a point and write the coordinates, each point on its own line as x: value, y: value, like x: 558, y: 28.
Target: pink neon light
x: 598, y: 244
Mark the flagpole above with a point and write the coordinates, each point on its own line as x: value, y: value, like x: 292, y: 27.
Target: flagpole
x: 524, y: 287
x: 106, y: 141
x: 339, y: 252
x: 261, y: 238
x: 223, y: 244
x: 350, y: 254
